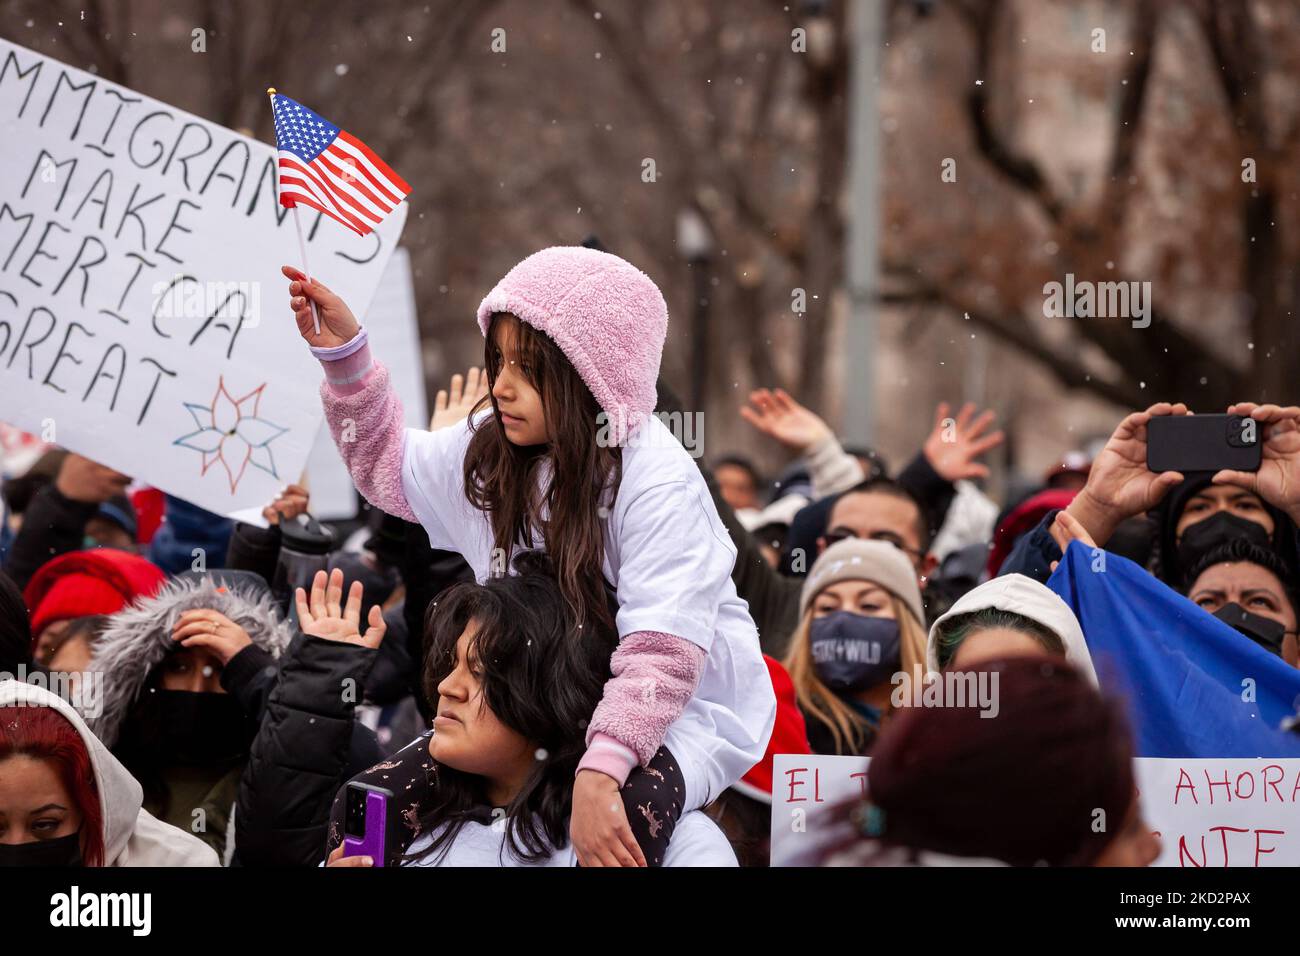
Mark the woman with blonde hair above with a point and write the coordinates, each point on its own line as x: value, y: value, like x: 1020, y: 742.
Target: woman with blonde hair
x: 860, y: 624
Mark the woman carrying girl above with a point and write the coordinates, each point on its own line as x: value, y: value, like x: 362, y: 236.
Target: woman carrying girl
x: 566, y: 455
x: 512, y: 688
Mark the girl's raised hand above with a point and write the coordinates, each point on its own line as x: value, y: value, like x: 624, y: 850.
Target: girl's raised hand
x: 337, y: 323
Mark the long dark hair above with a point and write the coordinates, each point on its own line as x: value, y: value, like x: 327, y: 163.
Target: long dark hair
x: 501, y: 478
x: 541, y: 677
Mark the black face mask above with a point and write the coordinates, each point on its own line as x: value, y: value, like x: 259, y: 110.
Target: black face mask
x: 61, y: 851
x: 1219, y: 528
x: 1264, y: 631
x: 180, y: 726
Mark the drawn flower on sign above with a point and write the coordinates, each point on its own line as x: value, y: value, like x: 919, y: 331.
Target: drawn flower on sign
x: 230, y: 432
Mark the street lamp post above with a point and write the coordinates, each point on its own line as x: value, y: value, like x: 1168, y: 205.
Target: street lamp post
x: 695, y: 243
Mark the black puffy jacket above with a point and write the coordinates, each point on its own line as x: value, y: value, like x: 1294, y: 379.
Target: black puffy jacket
x: 309, y: 742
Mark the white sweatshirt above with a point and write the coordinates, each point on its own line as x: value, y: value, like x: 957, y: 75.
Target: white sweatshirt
x: 697, y: 841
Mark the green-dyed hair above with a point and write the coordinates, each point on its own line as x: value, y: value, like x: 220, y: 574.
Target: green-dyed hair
x: 956, y: 629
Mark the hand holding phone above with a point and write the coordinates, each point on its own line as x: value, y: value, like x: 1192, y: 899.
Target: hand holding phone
x: 336, y: 858
x: 1120, y: 484
x: 365, y: 819
x: 1277, y: 478
x: 1204, y: 443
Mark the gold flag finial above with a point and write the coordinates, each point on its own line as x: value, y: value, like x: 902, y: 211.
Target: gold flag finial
x: 270, y: 91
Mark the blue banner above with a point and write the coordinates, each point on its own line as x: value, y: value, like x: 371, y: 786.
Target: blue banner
x: 1195, y: 687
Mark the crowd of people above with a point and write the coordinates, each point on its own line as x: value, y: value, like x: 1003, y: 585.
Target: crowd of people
x: 564, y: 640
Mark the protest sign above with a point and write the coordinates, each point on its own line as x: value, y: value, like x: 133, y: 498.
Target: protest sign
x: 1219, y: 813
x: 143, y: 319
x: 394, y: 331
x: 1208, y: 813
x: 805, y: 787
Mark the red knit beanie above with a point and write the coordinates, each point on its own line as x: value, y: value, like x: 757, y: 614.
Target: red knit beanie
x: 1023, y: 519
x: 80, y: 583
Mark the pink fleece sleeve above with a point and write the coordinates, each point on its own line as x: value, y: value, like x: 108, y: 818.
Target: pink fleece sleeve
x: 366, y: 422
x: 654, y: 675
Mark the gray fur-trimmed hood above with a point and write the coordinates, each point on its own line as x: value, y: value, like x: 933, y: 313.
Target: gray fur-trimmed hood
x: 137, y: 638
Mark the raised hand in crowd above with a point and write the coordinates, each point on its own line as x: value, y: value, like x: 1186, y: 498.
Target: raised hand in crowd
x: 288, y: 504
x: 211, y: 630
x: 457, y: 400
x: 1120, y: 485
x: 1278, y: 478
x: 81, y: 479
x: 774, y: 413
x: 955, y: 445
x: 337, y: 323
x: 326, y: 617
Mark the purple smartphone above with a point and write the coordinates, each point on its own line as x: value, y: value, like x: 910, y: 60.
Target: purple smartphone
x: 365, y: 814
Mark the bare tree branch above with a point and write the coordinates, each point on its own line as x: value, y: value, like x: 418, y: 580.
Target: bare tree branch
x: 1021, y: 170
x: 1017, y: 334
x: 1128, y: 118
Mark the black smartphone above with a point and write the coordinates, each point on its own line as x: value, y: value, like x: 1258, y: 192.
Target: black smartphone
x: 1203, y: 443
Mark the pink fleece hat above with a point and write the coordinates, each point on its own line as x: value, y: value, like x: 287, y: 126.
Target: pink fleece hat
x: 606, y: 315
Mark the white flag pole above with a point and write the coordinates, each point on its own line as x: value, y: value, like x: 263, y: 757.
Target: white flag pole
x: 306, y: 269
x: 297, y: 225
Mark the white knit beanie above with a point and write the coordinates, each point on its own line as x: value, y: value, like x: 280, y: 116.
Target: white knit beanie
x: 859, y: 559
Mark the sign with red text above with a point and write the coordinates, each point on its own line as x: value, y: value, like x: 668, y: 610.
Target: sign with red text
x: 1208, y: 813
x: 144, y: 322
x: 1219, y: 813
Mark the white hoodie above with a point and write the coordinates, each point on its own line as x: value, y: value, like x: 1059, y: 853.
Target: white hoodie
x: 1027, y: 597
x: 132, y: 836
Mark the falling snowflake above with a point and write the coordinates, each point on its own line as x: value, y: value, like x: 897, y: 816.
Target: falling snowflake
x: 231, y: 432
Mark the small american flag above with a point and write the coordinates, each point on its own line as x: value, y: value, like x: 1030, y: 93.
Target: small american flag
x: 330, y: 170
